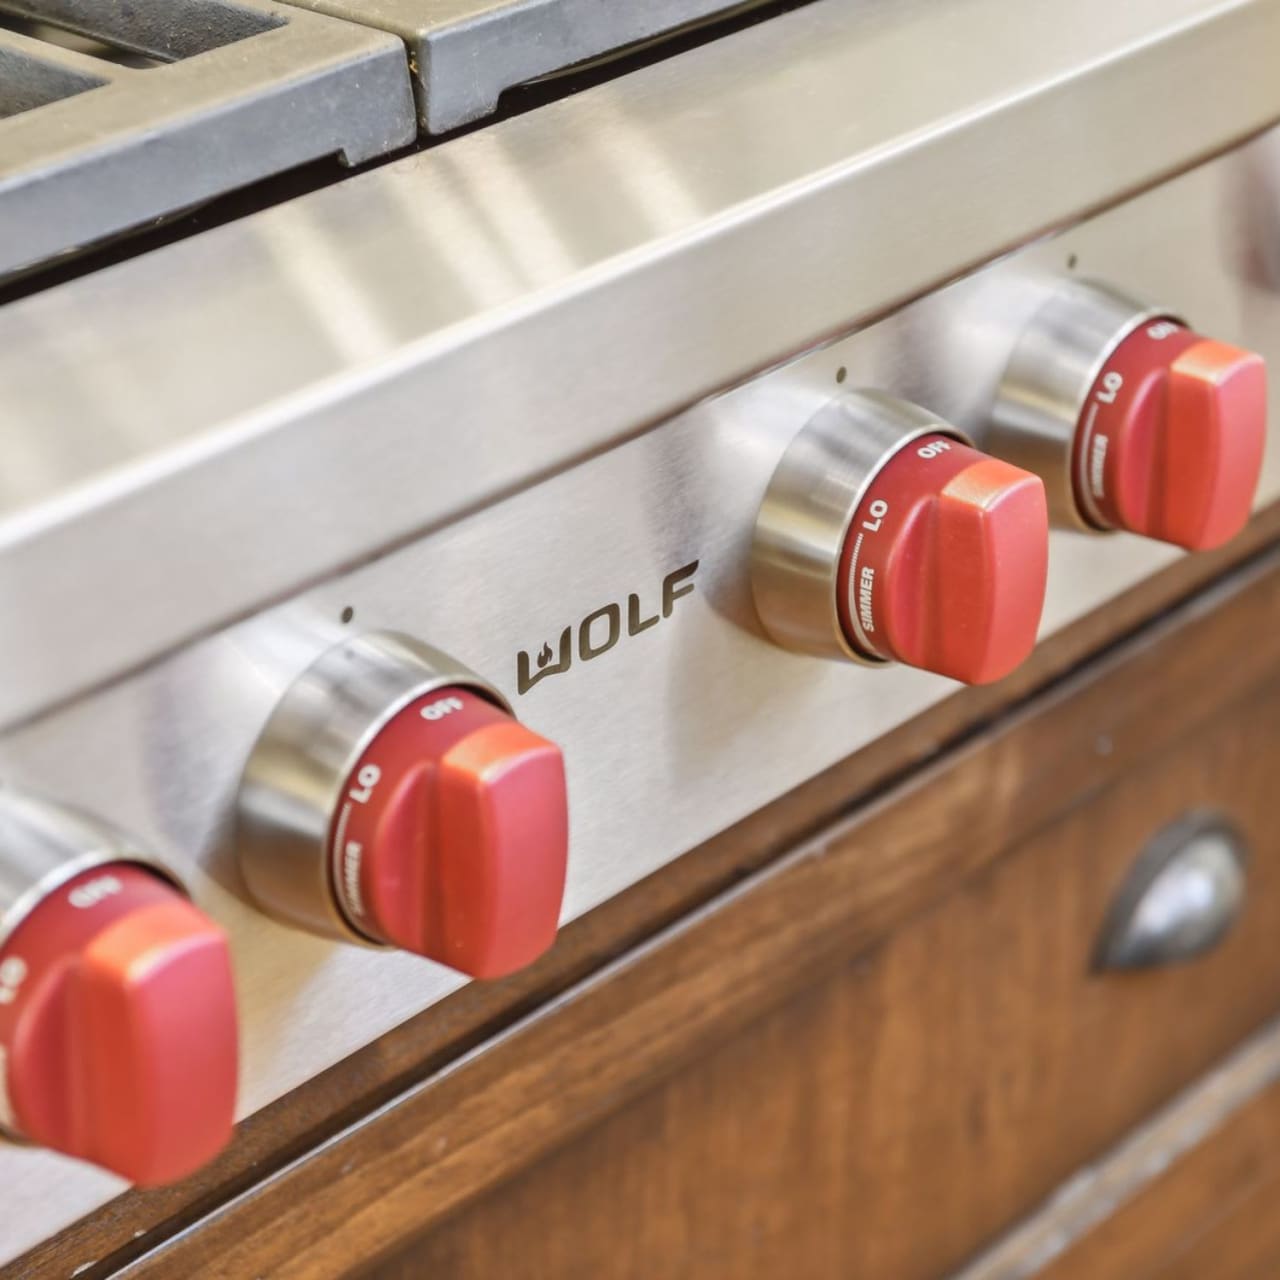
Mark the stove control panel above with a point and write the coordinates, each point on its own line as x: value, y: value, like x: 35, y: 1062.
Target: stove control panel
x: 885, y: 537
x: 652, y: 622
x: 118, y: 1036
x: 1135, y: 421
x: 394, y: 800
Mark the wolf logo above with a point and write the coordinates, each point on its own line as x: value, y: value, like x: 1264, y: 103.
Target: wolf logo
x: 526, y: 678
x: 530, y: 671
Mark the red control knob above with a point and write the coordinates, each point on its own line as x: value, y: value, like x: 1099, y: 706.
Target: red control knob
x: 945, y: 563
x: 452, y: 836
x: 1170, y: 440
x: 118, y: 1036
x: 883, y: 537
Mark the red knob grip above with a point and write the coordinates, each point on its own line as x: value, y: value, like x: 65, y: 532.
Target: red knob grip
x: 118, y: 1027
x: 452, y: 836
x: 945, y: 563
x: 1171, y: 438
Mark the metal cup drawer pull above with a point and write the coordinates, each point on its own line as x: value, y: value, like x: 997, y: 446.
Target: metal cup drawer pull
x: 1181, y: 898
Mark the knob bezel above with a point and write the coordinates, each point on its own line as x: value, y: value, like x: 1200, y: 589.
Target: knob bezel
x: 1046, y: 383
x: 808, y: 509
x: 44, y: 844
x: 293, y: 780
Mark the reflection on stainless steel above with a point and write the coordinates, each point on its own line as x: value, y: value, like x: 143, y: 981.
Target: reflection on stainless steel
x: 1181, y: 898
x: 1259, y: 197
x: 1043, y: 390
x: 500, y: 309
x: 43, y: 845
x: 804, y: 518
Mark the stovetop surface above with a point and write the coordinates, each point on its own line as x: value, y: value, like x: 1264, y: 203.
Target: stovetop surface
x: 117, y: 117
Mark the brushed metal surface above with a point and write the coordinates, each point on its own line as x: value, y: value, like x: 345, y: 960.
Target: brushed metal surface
x: 662, y: 734
x: 804, y: 519
x: 1181, y: 898
x: 1043, y: 390
x: 44, y: 845
x: 204, y: 430
x: 292, y: 784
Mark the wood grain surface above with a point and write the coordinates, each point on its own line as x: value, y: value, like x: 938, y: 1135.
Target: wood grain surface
x: 1214, y: 1215
x: 1171, y: 1179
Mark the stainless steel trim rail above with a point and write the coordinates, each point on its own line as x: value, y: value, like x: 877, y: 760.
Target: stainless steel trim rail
x: 201, y: 430
x: 90, y: 147
x: 465, y: 53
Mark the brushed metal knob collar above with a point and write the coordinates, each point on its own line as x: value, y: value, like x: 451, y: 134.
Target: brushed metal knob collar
x: 807, y: 510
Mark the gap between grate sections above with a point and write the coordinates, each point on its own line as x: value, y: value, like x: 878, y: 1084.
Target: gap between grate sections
x: 116, y: 114
x: 466, y: 53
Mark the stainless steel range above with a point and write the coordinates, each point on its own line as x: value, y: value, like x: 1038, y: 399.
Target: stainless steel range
x: 394, y: 571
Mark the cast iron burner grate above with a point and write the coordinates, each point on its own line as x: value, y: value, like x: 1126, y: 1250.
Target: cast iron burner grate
x: 117, y: 113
